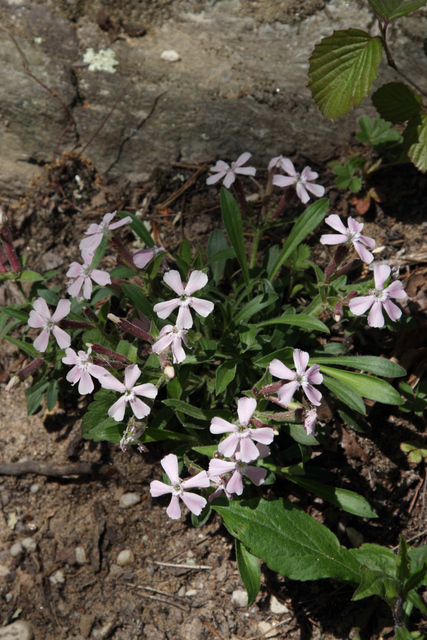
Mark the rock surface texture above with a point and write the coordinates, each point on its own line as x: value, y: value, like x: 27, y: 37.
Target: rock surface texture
x: 240, y: 83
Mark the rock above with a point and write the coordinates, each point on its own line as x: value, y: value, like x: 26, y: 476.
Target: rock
x: 29, y: 544
x: 3, y: 571
x: 35, y: 488
x: 125, y: 557
x: 80, y: 555
x: 129, y: 500
x: 16, y: 549
x: 267, y: 630
x: 19, y: 630
x: 170, y: 55
x: 277, y: 607
x: 191, y: 592
x: 239, y: 598
x: 57, y: 578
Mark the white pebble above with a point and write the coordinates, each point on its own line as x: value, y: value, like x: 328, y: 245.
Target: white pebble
x: 57, y: 578
x: 35, y: 488
x: 277, y: 607
x: 16, y: 549
x: 125, y: 557
x: 181, y: 592
x: 191, y: 592
x: 170, y: 55
x: 239, y: 598
x: 80, y: 555
x: 29, y: 544
x: 129, y: 500
x: 19, y: 630
x: 267, y: 630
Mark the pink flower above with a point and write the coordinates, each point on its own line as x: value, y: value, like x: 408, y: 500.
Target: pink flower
x: 242, y: 436
x: 132, y: 434
x: 379, y: 298
x: 172, y: 337
x: 237, y: 468
x: 98, y: 231
x: 82, y: 275
x: 275, y: 163
x: 301, y: 181
x: 40, y: 318
x: 130, y: 393
x: 197, y: 281
x: 351, y: 236
x: 220, y: 483
x: 178, y: 488
x: 82, y: 370
x: 223, y: 170
x: 302, y: 377
x: 142, y: 257
x: 310, y: 419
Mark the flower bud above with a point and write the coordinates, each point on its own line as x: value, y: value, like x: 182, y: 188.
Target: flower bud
x: 338, y: 312
x: 169, y: 371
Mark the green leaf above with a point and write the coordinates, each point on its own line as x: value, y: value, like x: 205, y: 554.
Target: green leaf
x: 378, y: 366
x: 391, y: 9
x: 30, y: 276
x: 345, y: 393
x: 309, y: 220
x: 34, y: 396
x: 376, y: 583
x: 108, y: 429
x: 397, y: 102
x: 185, y: 251
x: 342, y: 69
x: 19, y: 314
x: 218, y: 252
x: 233, y: 223
x: 24, y: 346
x: 366, y: 386
x: 348, y: 500
x: 402, y: 561
x: 254, y: 306
x: 52, y: 394
x: 208, y: 450
x: 303, y: 322
x: 139, y: 300
x: 376, y: 557
x: 249, y: 570
x: 403, y: 634
x: 415, y: 141
x: 48, y: 295
x: 97, y: 414
x: 225, y: 374
x: 289, y: 540
x: 139, y: 228
x: 415, y: 599
x: 194, y: 412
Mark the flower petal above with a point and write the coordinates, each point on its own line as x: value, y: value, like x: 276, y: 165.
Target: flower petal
x: 139, y: 408
x: 132, y: 373
x: 396, y: 290
x: 178, y: 353
x: 173, y: 279
x: 336, y: 223
x: 218, y: 467
x: 215, y: 178
x: 70, y: 357
x: 312, y: 394
x: 245, y: 171
x: 354, y: 226
x: 245, y: 410
x: 194, y: 502
x: 164, y: 309
x: 235, y: 484
x: 201, y: 306
x: 148, y: 390
x: 369, y: 242
x: 199, y: 481
x: 40, y: 306
x: 256, y: 475
x: 313, y: 375
x: 302, y: 192
x: 62, y: 310
x: 285, y: 393
x: 283, y: 181
x: 86, y: 383
x: 360, y: 305
x: 264, y: 435
x: 36, y: 321
x: 280, y: 370
x: 316, y: 189
x: 363, y: 253
x: 381, y: 274
x: 184, y: 318
x: 62, y: 337
x: 117, y: 410
x: 333, y: 238
x: 174, y: 509
x: 41, y: 342
x: 248, y: 450
x: 301, y: 359
x: 110, y: 382
x: 288, y: 166
x: 219, y: 425
x: 229, y: 179
x: 242, y: 159
x: 392, y: 310
x: 196, y: 281
x: 100, y: 277
x: 376, y: 318
x: 228, y: 446
x: 158, y: 488
x: 170, y: 466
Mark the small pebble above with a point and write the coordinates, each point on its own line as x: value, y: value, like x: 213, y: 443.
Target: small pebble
x: 239, y: 598
x: 191, y: 592
x: 125, y: 557
x: 29, y: 544
x: 16, y: 549
x: 19, y: 630
x: 181, y: 592
x: 57, y: 578
x: 267, y: 630
x: 3, y: 570
x: 277, y: 607
x: 170, y: 55
x: 129, y: 500
x: 35, y: 488
x: 5, y: 498
x: 80, y: 555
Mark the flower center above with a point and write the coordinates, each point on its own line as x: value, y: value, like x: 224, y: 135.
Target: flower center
x: 353, y: 236
x: 379, y: 293
x: 86, y: 271
x: 129, y: 394
x: 185, y: 300
x: 302, y: 379
x: 242, y: 430
x: 176, y: 489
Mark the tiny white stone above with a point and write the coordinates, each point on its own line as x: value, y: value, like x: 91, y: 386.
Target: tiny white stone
x: 19, y: 630
x: 191, y: 592
x: 57, y: 578
x: 129, y: 500
x: 267, y: 630
x: 239, y: 598
x: 277, y: 607
x: 16, y: 549
x: 29, y: 544
x: 3, y: 571
x: 80, y: 555
x: 170, y: 55
x: 181, y: 592
x: 35, y: 488
x: 125, y: 557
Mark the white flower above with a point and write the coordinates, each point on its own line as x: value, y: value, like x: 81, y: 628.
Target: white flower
x: 197, y: 281
x: 301, y: 181
x: 130, y: 393
x: 98, y: 231
x: 40, y: 318
x: 351, y: 236
x: 82, y: 275
x: 379, y: 298
x: 172, y: 337
x: 223, y: 170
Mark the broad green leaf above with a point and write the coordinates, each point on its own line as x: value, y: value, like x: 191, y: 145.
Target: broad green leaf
x: 254, y: 306
x: 194, y: 412
x: 402, y: 561
x: 288, y: 540
x: 24, y: 346
x: 217, y: 245
x: 224, y: 375
x: 376, y: 557
x: 139, y: 300
x: 233, y: 223
x: 49, y: 295
x: 346, y: 393
x: 377, y: 583
x: 379, y: 366
x: 366, y: 386
x: 52, y: 394
x: 376, y: 132
x: 34, y: 396
x: 415, y: 141
x: 19, y: 314
x: 97, y: 413
x: 343, y: 67
x: 397, y: 102
x: 392, y: 9
x: 185, y: 251
x: 108, y: 429
x: 249, y: 570
x: 303, y: 322
x: 418, y: 557
x: 30, y: 276
x: 139, y: 228
x: 343, y: 498
x: 309, y: 220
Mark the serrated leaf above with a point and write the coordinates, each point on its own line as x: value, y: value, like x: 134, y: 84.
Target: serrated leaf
x: 366, y: 386
x: 397, y: 102
x: 373, y: 364
x: 233, y: 223
x: 225, y: 374
x: 415, y: 141
x: 378, y: 583
x: 288, y: 540
x: 249, y: 570
x: 342, y: 69
x: 392, y: 9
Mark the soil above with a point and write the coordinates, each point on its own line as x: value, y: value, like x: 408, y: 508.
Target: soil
x: 181, y: 583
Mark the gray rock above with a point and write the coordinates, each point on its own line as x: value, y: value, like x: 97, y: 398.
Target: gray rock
x: 129, y: 500
x: 125, y: 558
x: 16, y: 549
x: 19, y: 630
x: 239, y: 598
x: 29, y: 544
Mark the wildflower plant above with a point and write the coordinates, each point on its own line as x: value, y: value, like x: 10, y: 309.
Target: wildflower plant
x: 212, y: 356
